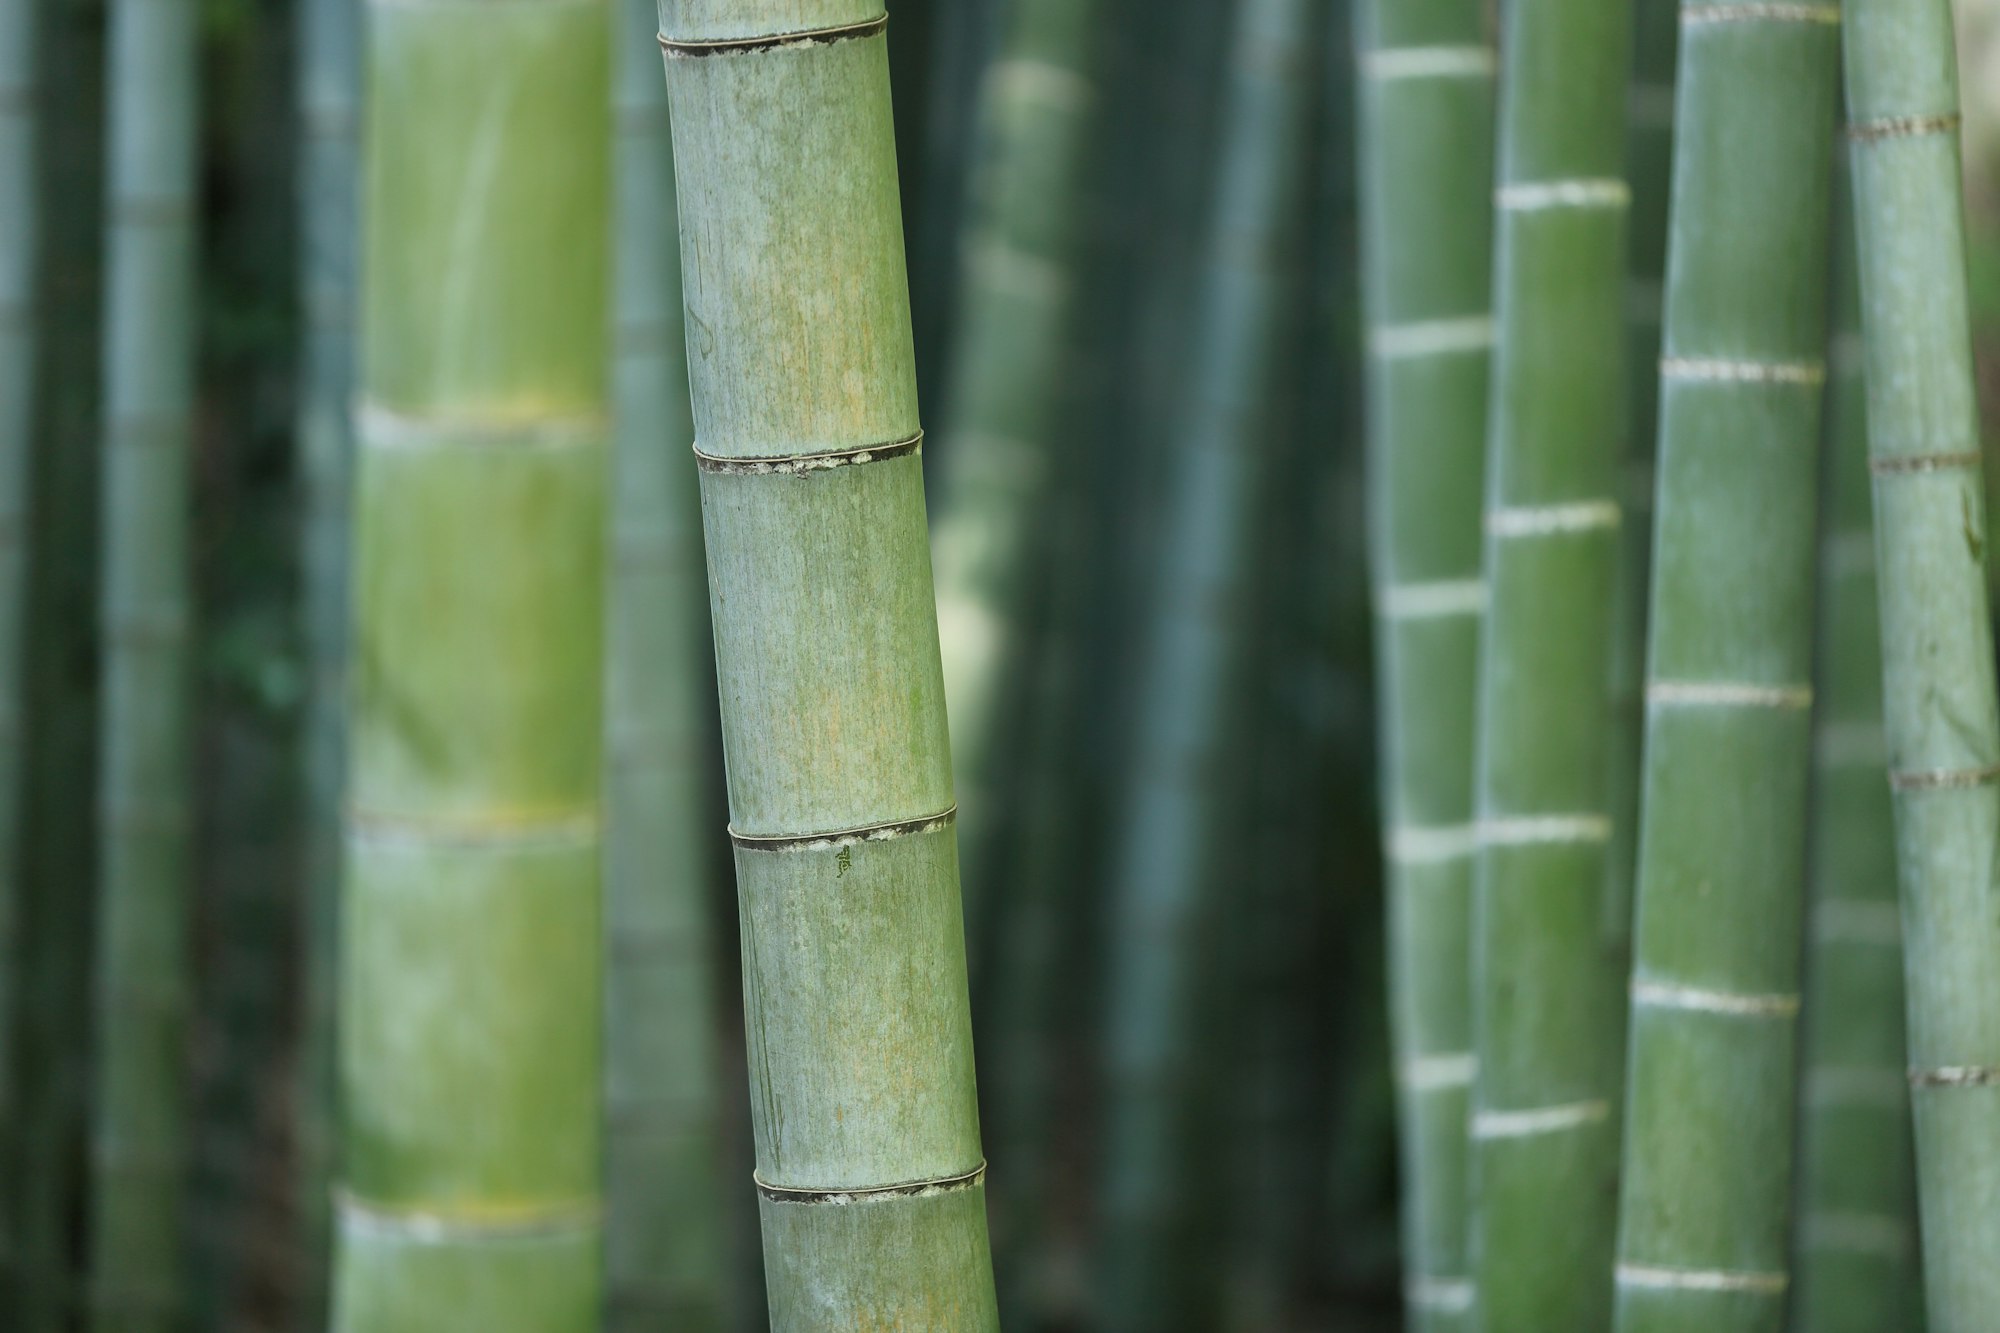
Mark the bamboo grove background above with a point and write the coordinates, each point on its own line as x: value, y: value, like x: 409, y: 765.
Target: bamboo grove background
x: 1132, y: 231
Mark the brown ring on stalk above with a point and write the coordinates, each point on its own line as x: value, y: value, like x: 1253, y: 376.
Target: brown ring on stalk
x: 698, y: 49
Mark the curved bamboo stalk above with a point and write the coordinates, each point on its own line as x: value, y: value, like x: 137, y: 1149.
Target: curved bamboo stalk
x: 1854, y: 1243
x: 1715, y: 980
x: 1546, y: 980
x: 143, y: 970
x: 664, y: 1251
x: 470, y: 974
x: 833, y: 720
x: 1426, y: 83
x: 1937, y: 631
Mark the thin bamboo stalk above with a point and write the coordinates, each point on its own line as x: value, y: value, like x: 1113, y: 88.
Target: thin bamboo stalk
x: 1715, y: 980
x: 471, y: 984
x: 1854, y: 1244
x: 1179, y: 813
x: 868, y: 1158
x: 143, y: 977
x: 664, y: 1247
x: 1546, y: 980
x: 1937, y: 632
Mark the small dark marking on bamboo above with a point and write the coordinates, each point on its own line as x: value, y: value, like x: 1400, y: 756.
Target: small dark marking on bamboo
x: 729, y: 46
x: 1956, y: 1076
x: 1901, y: 127
x: 1961, y: 779
x: 874, y: 1194
x: 841, y: 839
x: 1898, y: 465
x: 800, y: 465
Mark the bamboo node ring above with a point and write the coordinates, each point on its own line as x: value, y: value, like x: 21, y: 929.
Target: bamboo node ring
x: 800, y: 465
x: 1760, y: 13
x: 872, y: 1193
x: 838, y: 839
x: 699, y: 48
x: 1956, y: 1076
x: 1902, y: 127
x: 1903, y: 465
x: 1944, y: 779
x: 1702, y: 1279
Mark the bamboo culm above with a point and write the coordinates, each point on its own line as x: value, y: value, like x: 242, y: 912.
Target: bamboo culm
x: 1854, y: 1239
x: 1936, y: 628
x: 471, y: 985
x: 1546, y: 980
x: 664, y: 1252
x: 1702, y: 1241
x: 139, y: 1149
x: 869, y: 1170
x: 1426, y: 84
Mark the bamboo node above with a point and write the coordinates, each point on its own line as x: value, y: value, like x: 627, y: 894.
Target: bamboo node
x: 800, y: 465
x: 1412, y: 844
x: 1693, y: 999
x: 1902, y: 465
x: 1437, y: 1073
x: 550, y: 1221
x: 1447, y: 1295
x: 1432, y: 337
x: 1431, y: 601
x: 1655, y: 1278
x: 1722, y: 370
x: 1760, y: 13
x: 700, y: 48
x: 1727, y: 694
x: 1944, y: 779
x: 1040, y: 81
x: 840, y: 839
x: 1538, y: 1120
x: 1535, y: 196
x: 1956, y: 1076
x: 913, y: 1189
x: 1543, y: 830
x: 1902, y: 127
x: 1552, y: 520
x: 1429, y: 62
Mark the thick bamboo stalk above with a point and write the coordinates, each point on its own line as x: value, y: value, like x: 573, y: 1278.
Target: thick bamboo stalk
x: 1715, y: 979
x: 664, y: 1248
x: 1937, y: 632
x: 1427, y: 92
x: 807, y: 437
x: 1179, y: 813
x: 1546, y: 980
x: 470, y: 975
x: 143, y: 981
x: 1854, y: 1241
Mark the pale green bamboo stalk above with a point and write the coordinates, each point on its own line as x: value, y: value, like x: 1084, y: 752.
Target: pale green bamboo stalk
x: 1427, y: 175
x: 868, y: 1159
x: 1937, y: 631
x: 1179, y: 816
x: 664, y: 1251
x: 139, y: 1150
x: 1546, y: 980
x: 1854, y: 1242
x: 471, y: 985
x: 1715, y: 981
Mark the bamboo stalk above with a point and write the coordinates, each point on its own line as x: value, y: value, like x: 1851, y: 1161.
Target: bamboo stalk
x: 1715, y: 980
x: 470, y: 978
x: 1854, y: 1244
x: 1937, y: 633
x: 1545, y: 980
x: 868, y: 1158
x: 1427, y: 161
x: 664, y: 1240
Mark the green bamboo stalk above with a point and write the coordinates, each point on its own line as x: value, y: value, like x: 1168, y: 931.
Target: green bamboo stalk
x: 471, y: 986
x: 1179, y: 813
x: 1715, y: 980
x: 1546, y: 982
x: 143, y: 981
x: 833, y: 721
x: 1427, y: 163
x: 1937, y: 632
x: 663, y: 1244
x: 1854, y: 1246
x: 328, y: 90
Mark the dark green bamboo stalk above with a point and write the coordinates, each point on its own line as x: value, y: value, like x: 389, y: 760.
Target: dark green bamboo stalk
x: 139, y: 1150
x: 1427, y: 172
x: 1546, y: 980
x: 1715, y: 980
x: 664, y: 1240
x: 1176, y: 826
x: 1937, y: 631
x: 807, y: 437
x: 1854, y: 1244
x: 471, y: 986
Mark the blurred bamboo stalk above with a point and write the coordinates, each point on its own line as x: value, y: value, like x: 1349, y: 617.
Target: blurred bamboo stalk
x: 810, y: 452
x: 471, y: 982
x: 1427, y: 100
x: 1936, y: 626
x: 1546, y: 1006
x: 1854, y: 1242
x: 664, y: 1251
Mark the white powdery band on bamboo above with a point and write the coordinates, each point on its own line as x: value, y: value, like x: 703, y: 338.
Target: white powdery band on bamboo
x: 1430, y: 62
x: 1649, y: 1277
x: 1539, y: 1120
x: 1412, y: 844
x: 1516, y: 521
x: 375, y: 828
x: 1956, y: 1076
x: 1437, y: 1073
x: 1696, y: 1000
x: 1432, y: 337
x: 1760, y: 13
x: 1537, y: 196
x: 1041, y: 83
x: 1544, y: 830
x: 1432, y: 601
x: 1445, y: 1295
x: 1727, y: 370
x: 1727, y: 694
x: 380, y: 427
x: 418, y: 1226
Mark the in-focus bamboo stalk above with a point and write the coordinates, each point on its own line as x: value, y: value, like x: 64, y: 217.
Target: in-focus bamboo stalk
x: 471, y: 985
x: 143, y: 981
x: 860, y: 1038
x: 1702, y: 1241
x: 1937, y: 632
x: 664, y: 1250
x: 1854, y: 1240
x: 1426, y: 82
x: 1546, y: 980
